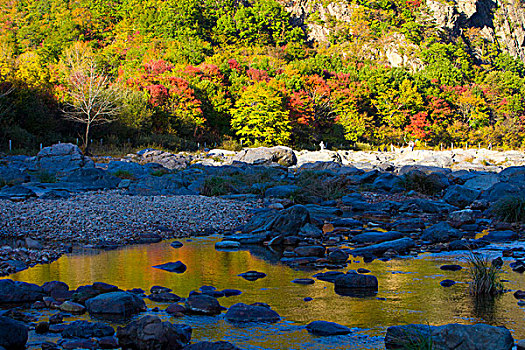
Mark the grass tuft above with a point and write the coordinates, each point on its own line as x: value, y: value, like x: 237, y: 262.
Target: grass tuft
x: 421, y: 183
x: 484, y: 276
x: 215, y: 186
x: 124, y: 174
x: 510, y: 209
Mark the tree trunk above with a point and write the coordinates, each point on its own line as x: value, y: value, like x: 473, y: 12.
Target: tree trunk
x: 86, y: 139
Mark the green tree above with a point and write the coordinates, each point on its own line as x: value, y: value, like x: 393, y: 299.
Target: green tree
x: 260, y: 116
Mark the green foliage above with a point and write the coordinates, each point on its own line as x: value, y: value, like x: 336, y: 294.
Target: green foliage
x: 510, y: 209
x: 215, y: 186
x: 160, y: 172
x: 260, y: 116
x: 484, y: 276
x: 124, y: 174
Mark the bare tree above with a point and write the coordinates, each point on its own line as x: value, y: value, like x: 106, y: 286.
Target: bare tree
x: 91, y: 100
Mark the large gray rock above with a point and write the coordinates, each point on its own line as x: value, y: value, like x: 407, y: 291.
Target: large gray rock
x: 62, y: 158
x: 451, y: 336
x: 482, y: 182
x: 501, y: 190
x: 202, y: 304
x: 377, y: 237
x: 19, y: 292
x: 150, y: 333
x: 441, y: 232
x: 324, y: 328
x: 13, y: 334
x: 12, y: 176
x: 93, y: 179
x: 166, y: 159
x: 460, y: 196
x: 115, y: 305
x: 283, y: 191
x: 16, y: 193
x: 284, y: 156
x: 287, y: 222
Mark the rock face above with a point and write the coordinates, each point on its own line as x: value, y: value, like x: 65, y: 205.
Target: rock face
x: 62, y: 158
x: 240, y: 313
x: 150, y: 333
x: 13, y: 334
x: 281, y: 155
x: 451, y: 336
x: 115, y: 304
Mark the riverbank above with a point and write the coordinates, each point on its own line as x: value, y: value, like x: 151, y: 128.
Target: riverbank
x: 40, y: 230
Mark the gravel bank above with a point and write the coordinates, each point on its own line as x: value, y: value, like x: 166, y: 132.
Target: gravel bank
x: 108, y: 218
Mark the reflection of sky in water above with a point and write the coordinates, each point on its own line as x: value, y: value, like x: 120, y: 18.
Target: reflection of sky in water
x: 410, y: 286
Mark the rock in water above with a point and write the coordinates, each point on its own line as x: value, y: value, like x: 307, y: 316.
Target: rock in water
x: 240, y: 313
x: 177, y: 267
x: 203, y: 305
x: 206, y: 345
x: 115, y: 305
x: 324, y: 328
x: 85, y: 329
x: 19, y: 292
x: 150, y: 333
x: 354, y: 284
x: 13, y: 334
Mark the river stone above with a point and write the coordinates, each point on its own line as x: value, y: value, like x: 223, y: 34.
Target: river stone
x: 19, y: 292
x: 176, y: 310
x: 482, y: 182
x: 310, y: 230
x: 324, y: 328
x: 74, y: 308
x: 85, y: 329
x: 240, y: 313
x: 177, y: 267
x: 13, y: 334
x: 500, y: 236
x: 231, y: 292
x: 313, y: 250
x: 202, y: 304
x: 460, y: 196
x: 159, y: 289
x: 103, y: 287
x: 227, y: 245
x: 176, y: 244
x: 450, y: 336
x: 283, y: 191
x: 206, y: 345
x: 303, y: 281
x: 408, y: 225
x: 441, y: 232
x: 447, y: 283
x: 376, y: 237
x: 451, y: 267
x: 462, y: 217
x: 252, y: 275
x: 50, y: 287
x: 89, y: 344
x: 399, y: 245
x: 150, y: 333
x: 338, y: 256
x: 354, y: 282
x: 329, y: 276
x: 165, y: 297
x: 117, y: 304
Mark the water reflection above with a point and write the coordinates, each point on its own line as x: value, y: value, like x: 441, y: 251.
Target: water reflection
x: 409, y: 292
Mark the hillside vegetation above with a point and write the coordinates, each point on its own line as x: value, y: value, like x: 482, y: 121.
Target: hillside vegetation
x: 175, y: 73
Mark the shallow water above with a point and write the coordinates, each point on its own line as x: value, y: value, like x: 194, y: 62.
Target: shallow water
x: 409, y: 292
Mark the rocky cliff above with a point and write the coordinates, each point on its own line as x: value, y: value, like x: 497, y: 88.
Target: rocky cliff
x: 481, y: 23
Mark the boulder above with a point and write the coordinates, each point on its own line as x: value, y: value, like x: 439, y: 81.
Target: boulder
x: 227, y: 245
x: 13, y: 334
x: 12, y: 176
x: 14, y: 292
x: 337, y: 256
x: 376, y: 237
x: 324, y: 328
x: 164, y: 297
x: 93, y: 179
x: 150, y: 333
x: 283, y: 191
x: 314, y: 250
x: 74, y: 308
x: 450, y: 336
x: 252, y: 275
x: 115, y: 304
x: 460, y: 196
x: 241, y: 313
x: 16, y: 192
x: 482, y: 182
x: 165, y: 159
x: 85, y: 329
x: 281, y: 155
x: 441, y: 232
x: 202, y: 304
x: 62, y: 158
x: 290, y: 221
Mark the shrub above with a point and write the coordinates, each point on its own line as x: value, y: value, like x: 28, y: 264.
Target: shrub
x: 420, y: 182
x: 314, y: 185
x: 484, y: 276
x: 215, y: 186
x: 124, y: 174
x: 510, y: 209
